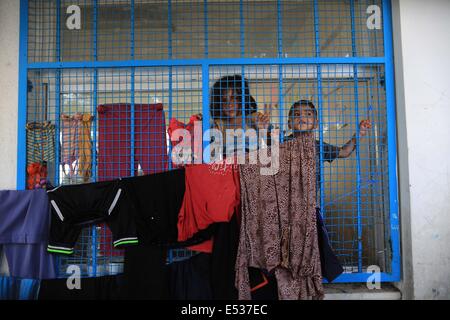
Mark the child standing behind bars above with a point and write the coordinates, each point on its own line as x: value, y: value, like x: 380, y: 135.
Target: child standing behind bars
x: 230, y: 97
x: 303, y: 117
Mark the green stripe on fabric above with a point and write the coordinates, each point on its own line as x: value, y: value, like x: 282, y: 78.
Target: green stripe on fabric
x: 126, y: 242
x: 59, y: 251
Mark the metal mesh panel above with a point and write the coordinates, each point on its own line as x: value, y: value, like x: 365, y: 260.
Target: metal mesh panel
x: 135, y: 55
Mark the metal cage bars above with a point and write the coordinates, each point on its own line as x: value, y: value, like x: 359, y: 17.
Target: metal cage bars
x: 205, y: 65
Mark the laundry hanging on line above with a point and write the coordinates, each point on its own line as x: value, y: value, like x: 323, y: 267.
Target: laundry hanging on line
x: 212, y: 196
x: 76, y: 146
x: 198, y: 224
x: 40, y: 142
x: 195, y: 145
x: 278, y: 224
x: 40, y: 152
x: 114, y: 148
x: 152, y: 208
x: 24, y: 231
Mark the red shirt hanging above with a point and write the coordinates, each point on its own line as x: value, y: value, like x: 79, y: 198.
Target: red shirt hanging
x: 212, y: 195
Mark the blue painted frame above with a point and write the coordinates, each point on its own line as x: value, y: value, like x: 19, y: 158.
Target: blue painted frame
x: 22, y: 111
x: 358, y: 160
x: 199, y: 62
x: 206, y: 64
x: 392, y: 142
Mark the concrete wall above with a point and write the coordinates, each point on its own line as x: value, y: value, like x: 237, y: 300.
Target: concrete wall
x: 422, y: 52
x: 9, y: 77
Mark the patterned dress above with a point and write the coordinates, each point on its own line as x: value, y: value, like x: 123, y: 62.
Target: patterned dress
x: 278, y: 227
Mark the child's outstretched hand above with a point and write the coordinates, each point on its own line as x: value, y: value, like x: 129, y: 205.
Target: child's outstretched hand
x: 263, y: 120
x: 268, y: 107
x: 364, y: 127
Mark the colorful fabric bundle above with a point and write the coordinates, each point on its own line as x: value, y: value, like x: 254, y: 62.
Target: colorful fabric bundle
x: 40, y: 142
x: 76, y: 145
x: 37, y: 176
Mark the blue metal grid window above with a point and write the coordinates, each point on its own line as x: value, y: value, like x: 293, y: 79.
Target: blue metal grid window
x: 147, y: 52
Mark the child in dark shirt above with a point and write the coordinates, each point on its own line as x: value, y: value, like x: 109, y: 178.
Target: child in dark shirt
x: 303, y: 117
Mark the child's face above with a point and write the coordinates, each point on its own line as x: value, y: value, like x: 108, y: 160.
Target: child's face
x: 230, y: 104
x: 302, y: 118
